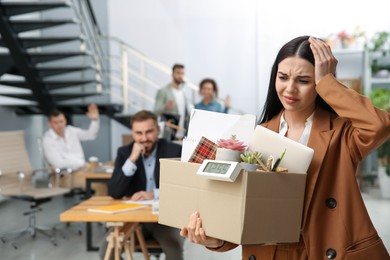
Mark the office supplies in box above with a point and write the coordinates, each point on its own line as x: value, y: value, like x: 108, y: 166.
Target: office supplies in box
x: 213, y: 126
x: 256, y: 208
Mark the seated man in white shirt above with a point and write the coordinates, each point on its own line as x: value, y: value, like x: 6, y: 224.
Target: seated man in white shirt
x: 61, y: 143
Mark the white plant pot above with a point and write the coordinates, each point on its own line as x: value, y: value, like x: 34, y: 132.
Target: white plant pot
x: 384, y: 182
x: 224, y: 154
x: 249, y: 167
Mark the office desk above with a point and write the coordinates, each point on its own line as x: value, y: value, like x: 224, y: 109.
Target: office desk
x: 94, y: 177
x: 124, y: 224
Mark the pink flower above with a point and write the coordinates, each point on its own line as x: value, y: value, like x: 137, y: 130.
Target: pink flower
x: 232, y: 144
x: 343, y: 35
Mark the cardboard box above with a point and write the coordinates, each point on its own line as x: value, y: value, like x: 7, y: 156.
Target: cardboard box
x: 256, y: 208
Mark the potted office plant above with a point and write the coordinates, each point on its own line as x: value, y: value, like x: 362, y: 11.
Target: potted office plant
x: 381, y: 99
x: 229, y: 149
x: 249, y: 161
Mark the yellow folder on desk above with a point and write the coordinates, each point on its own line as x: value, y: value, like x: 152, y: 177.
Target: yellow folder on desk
x: 117, y: 208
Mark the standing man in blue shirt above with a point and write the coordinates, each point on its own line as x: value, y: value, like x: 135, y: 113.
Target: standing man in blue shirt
x: 137, y: 174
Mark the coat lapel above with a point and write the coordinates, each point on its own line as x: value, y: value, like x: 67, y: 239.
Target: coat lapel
x: 319, y: 139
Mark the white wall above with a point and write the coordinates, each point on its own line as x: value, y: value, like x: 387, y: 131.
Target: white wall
x: 235, y: 41
x: 280, y: 21
x: 212, y: 38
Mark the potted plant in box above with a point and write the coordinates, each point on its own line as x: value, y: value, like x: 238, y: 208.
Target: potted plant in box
x: 229, y: 149
x: 381, y: 99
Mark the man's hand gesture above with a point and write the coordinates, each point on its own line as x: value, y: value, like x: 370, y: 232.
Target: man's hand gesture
x: 93, y: 112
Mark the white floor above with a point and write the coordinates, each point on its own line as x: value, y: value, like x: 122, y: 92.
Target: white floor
x: 73, y: 247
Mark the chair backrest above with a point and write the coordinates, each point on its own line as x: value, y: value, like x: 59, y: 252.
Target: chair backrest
x: 13, y: 153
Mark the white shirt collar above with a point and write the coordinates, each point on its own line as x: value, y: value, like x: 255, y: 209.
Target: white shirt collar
x: 54, y: 135
x: 283, y: 128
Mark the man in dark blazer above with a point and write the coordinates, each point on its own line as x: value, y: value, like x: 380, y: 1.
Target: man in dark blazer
x: 137, y: 176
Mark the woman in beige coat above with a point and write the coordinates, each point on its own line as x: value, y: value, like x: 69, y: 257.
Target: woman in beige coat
x: 307, y: 104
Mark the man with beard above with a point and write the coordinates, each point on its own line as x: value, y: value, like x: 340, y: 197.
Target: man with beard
x: 137, y: 174
x: 171, y: 100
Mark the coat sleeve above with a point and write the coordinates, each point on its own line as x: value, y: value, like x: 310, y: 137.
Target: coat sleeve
x: 118, y: 186
x: 369, y: 126
x: 160, y: 101
x: 226, y: 247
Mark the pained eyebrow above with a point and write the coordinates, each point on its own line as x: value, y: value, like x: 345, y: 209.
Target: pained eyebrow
x: 305, y: 77
x: 299, y: 76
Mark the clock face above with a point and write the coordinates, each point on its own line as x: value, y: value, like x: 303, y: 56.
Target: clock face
x: 215, y: 167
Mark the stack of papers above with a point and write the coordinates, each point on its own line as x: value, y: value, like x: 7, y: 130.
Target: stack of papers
x: 214, y: 126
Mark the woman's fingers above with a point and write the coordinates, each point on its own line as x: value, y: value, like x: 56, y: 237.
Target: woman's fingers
x: 191, y: 229
x: 325, y: 62
x: 195, y: 233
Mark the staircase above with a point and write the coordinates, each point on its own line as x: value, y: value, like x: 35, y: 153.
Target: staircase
x: 42, y: 69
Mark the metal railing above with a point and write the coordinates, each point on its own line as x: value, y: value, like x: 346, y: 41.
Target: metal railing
x: 91, y: 42
x: 135, y: 78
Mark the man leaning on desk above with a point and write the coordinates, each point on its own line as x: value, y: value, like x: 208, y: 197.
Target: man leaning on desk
x: 137, y: 173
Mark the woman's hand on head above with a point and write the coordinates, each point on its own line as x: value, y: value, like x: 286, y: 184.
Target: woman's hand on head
x: 325, y: 62
x: 196, y: 234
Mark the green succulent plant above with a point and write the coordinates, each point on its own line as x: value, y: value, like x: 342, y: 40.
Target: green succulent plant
x: 249, y: 157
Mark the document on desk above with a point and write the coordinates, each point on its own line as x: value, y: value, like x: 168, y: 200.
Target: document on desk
x: 117, y: 208
x: 140, y: 202
x: 214, y: 126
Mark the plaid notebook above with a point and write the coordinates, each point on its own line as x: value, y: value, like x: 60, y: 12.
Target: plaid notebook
x: 205, y: 149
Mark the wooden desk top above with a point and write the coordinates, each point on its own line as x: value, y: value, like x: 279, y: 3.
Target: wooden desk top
x: 80, y: 212
x: 89, y: 175
x: 92, y: 175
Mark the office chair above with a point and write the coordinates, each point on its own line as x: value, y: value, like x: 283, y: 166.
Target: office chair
x: 20, y: 181
x: 61, y: 173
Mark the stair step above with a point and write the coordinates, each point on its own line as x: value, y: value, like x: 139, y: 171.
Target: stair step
x: 51, y: 56
x: 51, y: 71
x: 71, y: 109
x: 38, y: 57
x: 15, y: 8
x: 56, y: 96
x: 123, y: 119
x: 51, y: 85
x: 29, y: 25
x: 31, y: 42
x: 7, y: 66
